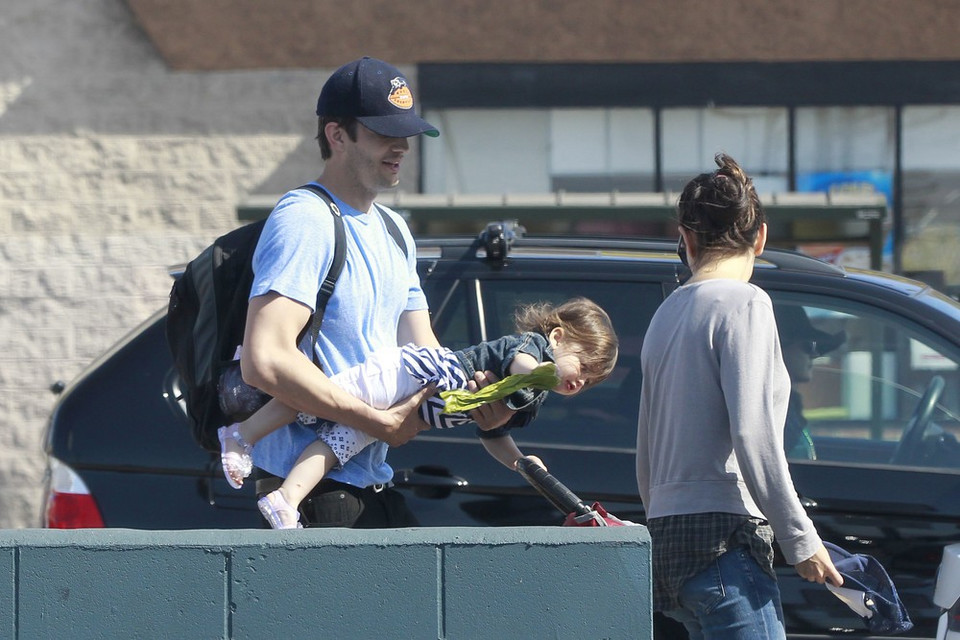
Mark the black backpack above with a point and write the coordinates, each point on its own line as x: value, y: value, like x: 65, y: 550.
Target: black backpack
x: 207, y: 315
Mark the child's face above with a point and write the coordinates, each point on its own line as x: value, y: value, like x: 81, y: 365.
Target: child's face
x: 572, y: 380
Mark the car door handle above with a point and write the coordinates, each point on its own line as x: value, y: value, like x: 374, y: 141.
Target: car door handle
x: 429, y: 481
x: 808, y: 503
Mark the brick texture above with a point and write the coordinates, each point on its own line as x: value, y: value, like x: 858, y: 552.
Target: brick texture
x: 112, y: 169
x: 544, y: 31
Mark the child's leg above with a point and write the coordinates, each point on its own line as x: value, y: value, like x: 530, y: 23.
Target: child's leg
x: 280, y: 507
x: 237, y: 440
x: 335, y: 445
x: 312, y: 465
x: 265, y: 421
x: 379, y: 381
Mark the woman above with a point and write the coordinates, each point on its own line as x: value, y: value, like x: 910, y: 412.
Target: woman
x: 710, y: 463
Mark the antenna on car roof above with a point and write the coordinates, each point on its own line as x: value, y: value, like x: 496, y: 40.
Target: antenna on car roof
x: 498, y: 237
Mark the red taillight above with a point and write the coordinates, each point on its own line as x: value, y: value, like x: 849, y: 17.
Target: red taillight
x: 69, y: 503
x: 72, y: 511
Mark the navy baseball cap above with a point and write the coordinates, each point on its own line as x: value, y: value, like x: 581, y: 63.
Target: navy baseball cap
x: 793, y: 324
x: 868, y: 591
x: 377, y: 95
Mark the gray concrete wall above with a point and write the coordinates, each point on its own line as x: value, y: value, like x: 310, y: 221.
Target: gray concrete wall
x: 112, y: 168
x: 454, y: 583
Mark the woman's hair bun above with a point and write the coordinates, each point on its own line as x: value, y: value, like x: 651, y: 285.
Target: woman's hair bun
x: 722, y: 207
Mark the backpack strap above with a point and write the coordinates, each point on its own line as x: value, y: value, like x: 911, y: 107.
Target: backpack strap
x: 336, y: 267
x: 339, y: 251
x: 339, y: 257
x: 393, y: 229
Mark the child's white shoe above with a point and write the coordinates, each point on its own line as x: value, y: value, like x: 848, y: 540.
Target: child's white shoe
x: 237, y: 465
x: 278, y: 511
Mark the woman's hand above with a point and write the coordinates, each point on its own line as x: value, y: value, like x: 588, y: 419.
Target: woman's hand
x: 819, y: 568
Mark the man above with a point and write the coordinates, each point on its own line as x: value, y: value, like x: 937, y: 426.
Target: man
x: 800, y: 342
x: 366, y: 114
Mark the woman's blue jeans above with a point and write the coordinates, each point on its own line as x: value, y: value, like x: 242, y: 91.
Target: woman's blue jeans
x: 731, y: 599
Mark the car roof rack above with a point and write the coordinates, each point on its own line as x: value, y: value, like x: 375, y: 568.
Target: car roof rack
x: 500, y: 237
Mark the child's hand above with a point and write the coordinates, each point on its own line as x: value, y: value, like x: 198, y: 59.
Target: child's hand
x: 493, y: 415
x: 534, y: 458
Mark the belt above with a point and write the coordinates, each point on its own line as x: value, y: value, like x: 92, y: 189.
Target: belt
x: 336, y: 485
x: 266, y: 485
x: 379, y: 487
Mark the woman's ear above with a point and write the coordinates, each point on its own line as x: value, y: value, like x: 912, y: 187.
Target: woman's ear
x: 690, y: 241
x: 761, y: 241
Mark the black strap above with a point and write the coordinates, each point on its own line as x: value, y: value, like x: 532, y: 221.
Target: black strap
x: 339, y: 257
x: 339, y: 254
x: 393, y: 230
x: 336, y: 268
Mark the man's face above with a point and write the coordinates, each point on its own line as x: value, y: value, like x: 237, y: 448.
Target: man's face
x: 375, y: 159
x: 798, y: 356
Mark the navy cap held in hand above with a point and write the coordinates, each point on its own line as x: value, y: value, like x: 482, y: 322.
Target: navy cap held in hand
x: 377, y: 95
x: 869, y: 591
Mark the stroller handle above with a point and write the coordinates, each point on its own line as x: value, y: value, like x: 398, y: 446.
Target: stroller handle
x: 550, y: 488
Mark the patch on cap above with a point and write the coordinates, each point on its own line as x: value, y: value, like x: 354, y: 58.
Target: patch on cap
x: 400, y: 95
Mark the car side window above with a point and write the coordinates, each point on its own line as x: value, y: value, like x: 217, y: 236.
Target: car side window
x: 606, y: 414
x: 868, y: 387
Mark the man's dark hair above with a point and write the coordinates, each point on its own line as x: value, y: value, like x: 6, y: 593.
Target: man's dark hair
x: 347, y: 123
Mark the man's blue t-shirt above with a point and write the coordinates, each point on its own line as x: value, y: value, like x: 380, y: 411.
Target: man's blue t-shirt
x: 378, y: 283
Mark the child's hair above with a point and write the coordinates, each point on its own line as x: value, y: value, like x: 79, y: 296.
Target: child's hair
x: 722, y: 208
x: 585, y: 324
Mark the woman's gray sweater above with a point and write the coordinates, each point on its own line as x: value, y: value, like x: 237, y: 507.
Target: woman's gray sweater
x: 712, y: 409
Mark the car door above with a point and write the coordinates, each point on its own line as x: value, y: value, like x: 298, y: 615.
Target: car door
x: 453, y: 480
x: 120, y: 428
x: 882, y: 473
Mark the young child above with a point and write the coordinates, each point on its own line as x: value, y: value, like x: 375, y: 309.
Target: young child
x: 577, y: 337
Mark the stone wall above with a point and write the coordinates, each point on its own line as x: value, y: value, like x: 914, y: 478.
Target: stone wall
x: 112, y: 168
x: 454, y: 583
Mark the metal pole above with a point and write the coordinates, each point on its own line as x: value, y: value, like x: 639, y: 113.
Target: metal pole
x: 898, y: 224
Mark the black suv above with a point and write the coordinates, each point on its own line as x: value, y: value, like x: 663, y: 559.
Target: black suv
x: 883, y: 409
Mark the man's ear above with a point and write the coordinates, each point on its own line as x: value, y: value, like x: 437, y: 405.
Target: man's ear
x: 335, y: 134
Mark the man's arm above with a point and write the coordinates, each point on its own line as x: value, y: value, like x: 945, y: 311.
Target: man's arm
x: 272, y: 362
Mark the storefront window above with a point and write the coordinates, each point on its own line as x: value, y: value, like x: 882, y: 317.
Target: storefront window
x: 596, y: 150
x: 931, y: 195
x: 755, y: 137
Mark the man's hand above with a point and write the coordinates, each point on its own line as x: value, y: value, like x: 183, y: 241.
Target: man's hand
x: 405, y: 419
x: 492, y: 415
x: 819, y: 568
